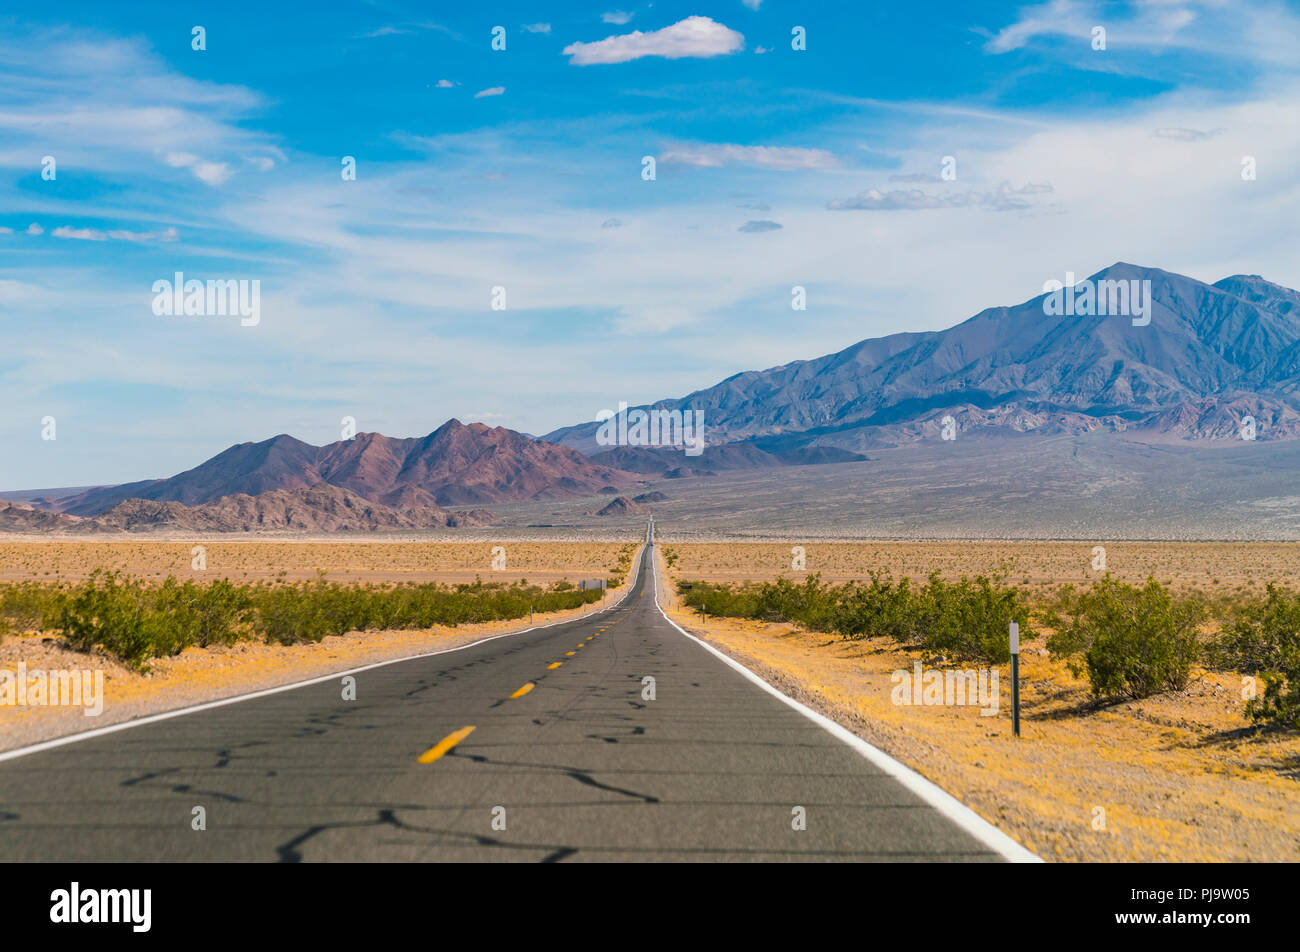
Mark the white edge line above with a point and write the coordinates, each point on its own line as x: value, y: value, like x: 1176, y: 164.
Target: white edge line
x: 209, y: 705
x: 927, y: 790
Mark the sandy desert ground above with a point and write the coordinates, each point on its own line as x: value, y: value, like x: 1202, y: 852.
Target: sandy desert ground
x: 372, y: 560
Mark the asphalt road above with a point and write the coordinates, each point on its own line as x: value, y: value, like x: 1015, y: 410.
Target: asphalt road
x: 455, y: 758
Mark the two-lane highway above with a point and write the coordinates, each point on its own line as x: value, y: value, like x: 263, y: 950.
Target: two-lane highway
x: 546, y: 745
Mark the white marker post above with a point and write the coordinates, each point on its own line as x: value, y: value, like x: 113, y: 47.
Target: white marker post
x: 1015, y: 678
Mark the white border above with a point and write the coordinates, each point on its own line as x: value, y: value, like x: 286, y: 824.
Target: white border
x: 935, y: 796
x: 209, y: 705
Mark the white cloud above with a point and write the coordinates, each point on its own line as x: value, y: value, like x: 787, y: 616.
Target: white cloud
x: 1255, y: 32
x: 695, y: 36
x: 94, y: 234
x: 445, y: 84
x: 168, y: 234
x: 537, y: 27
x: 210, y: 173
x: 1002, y: 198
x: 780, y: 158
x: 617, y: 17
x: 81, y: 234
x: 752, y: 4
x: 491, y: 91
x: 1180, y: 134
x: 35, y: 229
x: 1059, y: 17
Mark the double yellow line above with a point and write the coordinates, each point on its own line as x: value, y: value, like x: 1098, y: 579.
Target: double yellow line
x: 451, y: 740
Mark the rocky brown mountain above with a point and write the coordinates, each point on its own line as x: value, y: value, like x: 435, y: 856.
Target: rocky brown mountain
x: 456, y: 465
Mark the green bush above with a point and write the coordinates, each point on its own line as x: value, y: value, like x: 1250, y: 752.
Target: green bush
x: 968, y: 619
x: 136, y: 621
x: 1132, y: 642
x: 1264, y: 639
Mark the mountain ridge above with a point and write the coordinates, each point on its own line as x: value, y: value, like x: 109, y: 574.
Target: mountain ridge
x: 1234, y: 343
x: 456, y: 465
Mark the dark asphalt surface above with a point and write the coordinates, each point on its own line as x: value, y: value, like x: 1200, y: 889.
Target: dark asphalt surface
x: 583, y: 767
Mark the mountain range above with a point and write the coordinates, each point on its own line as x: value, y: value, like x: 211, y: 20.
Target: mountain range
x: 319, y: 508
x: 1211, y: 355
x: 456, y: 465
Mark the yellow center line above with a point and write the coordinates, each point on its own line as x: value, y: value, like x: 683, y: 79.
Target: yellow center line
x: 446, y: 744
x: 524, y: 690
x: 580, y: 644
x: 553, y: 665
x: 570, y: 654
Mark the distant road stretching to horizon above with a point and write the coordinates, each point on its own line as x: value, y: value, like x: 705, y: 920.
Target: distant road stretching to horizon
x: 539, y: 746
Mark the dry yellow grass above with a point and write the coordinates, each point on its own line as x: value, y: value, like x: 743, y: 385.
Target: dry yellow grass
x: 354, y: 561
x: 1179, y: 776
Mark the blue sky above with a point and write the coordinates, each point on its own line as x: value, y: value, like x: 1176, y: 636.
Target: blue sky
x: 521, y: 168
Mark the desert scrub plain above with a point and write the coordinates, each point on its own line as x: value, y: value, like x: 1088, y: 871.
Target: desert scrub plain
x: 1213, y: 568
x: 165, y: 641
x: 1138, y: 742
x: 370, y: 560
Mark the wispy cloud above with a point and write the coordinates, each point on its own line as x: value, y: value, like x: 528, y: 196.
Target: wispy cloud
x: 693, y: 37
x: 780, y: 158
x: 210, y: 173
x: 1003, y: 198
x: 752, y: 227
x: 1186, y: 135
x: 537, y: 27
x: 490, y: 91
x: 117, y: 234
x: 616, y: 17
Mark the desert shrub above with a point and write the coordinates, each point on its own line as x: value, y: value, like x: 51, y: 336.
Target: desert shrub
x: 108, y: 611
x: 881, y: 607
x: 1131, y: 642
x: 26, y: 605
x: 970, y: 620
x: 1264, y: 639
x: 137, y: 622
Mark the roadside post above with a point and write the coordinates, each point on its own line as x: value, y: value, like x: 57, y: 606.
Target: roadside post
x: 1015, y: 678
